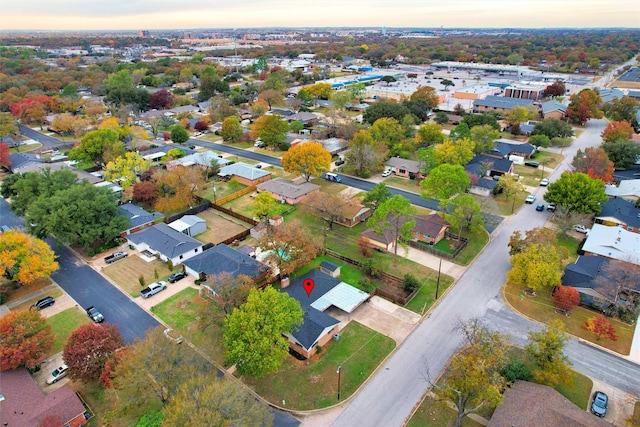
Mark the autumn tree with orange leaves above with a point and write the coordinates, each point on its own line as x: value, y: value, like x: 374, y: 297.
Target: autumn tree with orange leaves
x: 601, y: 327
x: 24, y: 258
x: 26, y: 337
x: 595, y: 163
x: 308, y: 159
x: 177, y: 188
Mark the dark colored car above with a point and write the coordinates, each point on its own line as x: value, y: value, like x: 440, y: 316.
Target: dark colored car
x: 179, y: 275
x: 339, y: 162
x: 599, y: 404
x: 532, y: 164
x: 44, y: 303
x: 539, y: 207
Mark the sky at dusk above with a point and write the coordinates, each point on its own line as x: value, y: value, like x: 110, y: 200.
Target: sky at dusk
x: 175, y: 14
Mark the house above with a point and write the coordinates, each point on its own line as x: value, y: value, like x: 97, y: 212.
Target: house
x: 166, y: 243
x: 507, y: 148
x: 307, y: 119
x: 525, y: 91
x: 553, y: 110
x: 608, y: 95
x: 112, y: 186
x: 191, y: 225
x: 483, y: 186
x: 139, y: 218
x: 285, y: 190
x: 353, y: 213
x: 527, y: 127
x: 430, y: 228
x: 586, y: 275
x: 157, y: 153
x: 613, y: 242
x: 385, y: 241
x: 24, y: 404
x: 620, y: 212
x: 484, y: 165
x: 628, y: 189
x: 224, y: 259
x: 244, y: 174
x: 498, y: 103
x: 404, y: 167
x: 318, y: 328
x: 30, y: 162
x: 202, y: 159
x: 529, y: 404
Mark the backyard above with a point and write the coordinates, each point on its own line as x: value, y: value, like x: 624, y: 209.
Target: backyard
x: 220, y: 226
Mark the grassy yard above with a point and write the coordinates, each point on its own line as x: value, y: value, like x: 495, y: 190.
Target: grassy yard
x: 580, y: 390
x: 126, y: 273
x: 212, y: 137
x: 571, y: 244
x: 477, y: 240
x: 501, y: 204
x: 244, y: 206
x: 220, y: 226
x: 412, y: 185
x: 314, y: 383
x: 530, y: 176
x: 62, y: 324
x: 13, y: 293
x: 222, y: 188
x: 550, y: 160
x: 541, y: 308
x: 433, y: 413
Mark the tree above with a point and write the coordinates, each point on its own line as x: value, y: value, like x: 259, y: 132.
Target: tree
x: 518, y: 115
x: 24, y: 258
x: 263, y: 205
x: 540, y: 236
x: 231, y: 129
x: 578, y: 192
x: 623, y: 110
x: 328, y: 207
x: 536, y: 267
x: 4, y: 156
x: 271, y: 130
x: 540, y: 141
x: 8, y: 127
x: 231, y: 292
x: 455, y: 152
x: 365, y: 154
x: 441, y: 118
x: 88, y: 349
x: 396, y: 215
x: 473, y: 378
x: 545, y: 350
x: 253, y: 333
x: 382, y: 109
x: 617, y: 131
x: 617, y: 277
x: 601, y: 327
x: 308, y: 159
x: 427, y: 159
x: 595, y: 163
x: 481, y: 119
x: 429, y: 134
x: 206, y: 401
x: 510, y: 186
x: 484, y: 138
x: 427, y: 94
x: 26, y: 338
x: 466, y: 213
x: 272, y: 97
x: 584, y: 105
x: 290, y: 246
x: 179, y: 135
x: 623, y: 153
x: 93, y: 145
x: 145, y: 191
x: 126, y: 169
x: 80, y: 215
x: 177, y: 188
x: 444, y: 182
x: 386, y: 130
x: 376, y: 196
x: 566, y: 298
x: 26, y: 188
x: 553, y: 128
x: 161, y: 100
x: 556, y: 88
x: 446, y: 83
x: 460, y: 131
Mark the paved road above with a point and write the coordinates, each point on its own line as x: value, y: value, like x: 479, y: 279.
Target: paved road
x: 388, y: 398
x: 45, y: 140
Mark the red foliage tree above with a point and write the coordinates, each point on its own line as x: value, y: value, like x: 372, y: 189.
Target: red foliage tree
x: 566, y: 298
x: 145, y: 191
x: 601, y: 327
x: 161, y: 100
x: 4, y: 155
x: 26, y: 337
x: 201, y: 125
x: 595, y: 163
x: 89, y: 348
x: 556, y: 88
x: 109, y: 368
x: 617, y: 131
x: 166, y: 136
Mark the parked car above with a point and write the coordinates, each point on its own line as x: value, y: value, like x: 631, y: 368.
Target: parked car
x: 387, y: 173
x: 581, y: 229
x: 599, y: 404
x: 44, y: 303
x: 259, y: 166
x: 94, y: 314
x: 544, y: 182
x: 530, y: 199
x: 115, y: 257
x: 153, y: 289
x: 540, y: 207
x: 532, y: 164
x: 339, y: 162
x: 172, y: 336
x: 259, y: 144
x: 551, y: 207
x: 59, y: 373
x: 330, y: 176
x: 178, y: 275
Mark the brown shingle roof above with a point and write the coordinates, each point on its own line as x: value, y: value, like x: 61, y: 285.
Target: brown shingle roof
x: 430, y: 225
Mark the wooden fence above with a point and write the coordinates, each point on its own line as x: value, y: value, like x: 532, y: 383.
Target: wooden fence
x: 232, y: 196
x: 431, y: 249
x: 235, y: 215
x: 193, y: 211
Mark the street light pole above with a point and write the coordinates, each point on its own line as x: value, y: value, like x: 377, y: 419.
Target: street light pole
x: 438, y: 283
x: 338, y: 372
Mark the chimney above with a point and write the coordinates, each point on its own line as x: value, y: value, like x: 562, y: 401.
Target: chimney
x: 284, y: 283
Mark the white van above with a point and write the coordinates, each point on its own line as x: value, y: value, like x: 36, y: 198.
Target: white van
x: 330, y: 176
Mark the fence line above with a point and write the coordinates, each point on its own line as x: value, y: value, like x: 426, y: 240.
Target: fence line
x: 232, y: 196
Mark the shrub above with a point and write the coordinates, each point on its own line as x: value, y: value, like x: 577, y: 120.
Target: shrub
x: 365, y: 249
x: 410, y: 283
x: 366, y: 285
x: 516, y: 370
x: 141, y: 281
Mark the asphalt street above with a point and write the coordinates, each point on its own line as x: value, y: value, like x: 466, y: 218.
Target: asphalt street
x: 389, y: 397
x: 45, y: 140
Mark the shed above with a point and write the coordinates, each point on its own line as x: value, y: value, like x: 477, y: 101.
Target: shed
x: 190, y: 225
x: 330, y: 268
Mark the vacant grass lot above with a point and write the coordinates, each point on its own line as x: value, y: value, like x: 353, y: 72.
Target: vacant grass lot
x: 314, y: 383
x: 541, y: 308
x: 220, y: 226
x: 62, y: 324
x: 126, y: 273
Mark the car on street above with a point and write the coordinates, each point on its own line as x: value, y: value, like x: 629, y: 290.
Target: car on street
x: 551, y: 207
x: 581, y: 229
x: 44, y: 303
x: 178, y: 275
x: 599, y: 404
x: 57, y: 374
x: 544, y: 182
x: 532, y: 164
x: 539, y: 207
x: 94, y: 314
x: 339, y: 162
x: 153, y: 289
x: 387, y: 173
x: 115, y: 257
x: 530, y: 199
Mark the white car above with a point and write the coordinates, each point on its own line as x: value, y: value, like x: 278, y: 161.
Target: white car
x: 530, y: 199
x: 57, y: 374
x: 581, y: 229
x: 387, y: 173
x: 544, y: 182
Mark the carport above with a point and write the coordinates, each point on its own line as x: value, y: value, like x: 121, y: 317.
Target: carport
x: 343, y: 296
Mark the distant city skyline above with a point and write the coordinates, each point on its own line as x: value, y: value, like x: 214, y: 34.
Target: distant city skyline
x: 172, y: 14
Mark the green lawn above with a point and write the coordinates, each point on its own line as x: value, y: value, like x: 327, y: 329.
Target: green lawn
x: 550, y: 160
x: 571, y: 244
x: 477, y: 240
x: 62, y: 324
x: 178, y: 310
x: 530, y: 176
x: 432, y: 413
x: 412, y: 185
x: 580, y: 390
x: 314, y: 383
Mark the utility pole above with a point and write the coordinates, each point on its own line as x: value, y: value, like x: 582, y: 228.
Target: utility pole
x: 338, y: 372
x: 438, y: 283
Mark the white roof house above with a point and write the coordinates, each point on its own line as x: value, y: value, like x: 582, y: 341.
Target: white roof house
x: 613, y: 242
x: 627, y: 189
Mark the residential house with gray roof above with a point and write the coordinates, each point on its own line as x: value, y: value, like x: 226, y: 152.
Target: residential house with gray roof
x: 244, y: 173
x: 404, y: 167
x: 619, y: 212
x: 499, y: 103
x: 222, y: 259
x: 166, y: 243
x: 613, y: 242
x: 139, y: 218
x: 628, y: 189
x: 284, y: 189
x: 508, y: 148
x: 484, y: 165
x: 553, y: 109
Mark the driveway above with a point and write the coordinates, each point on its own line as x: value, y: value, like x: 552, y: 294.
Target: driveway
x: 621, y: 404
x: 46, y: 367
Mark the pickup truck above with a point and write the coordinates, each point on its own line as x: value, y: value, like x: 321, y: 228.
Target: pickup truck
x: 95, y: 315
x: 153, y: 289
x: 115, y: 257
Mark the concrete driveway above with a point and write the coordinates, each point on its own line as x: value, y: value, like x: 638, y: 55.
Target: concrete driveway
x: 621, y: 404
x: 46, y: 367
